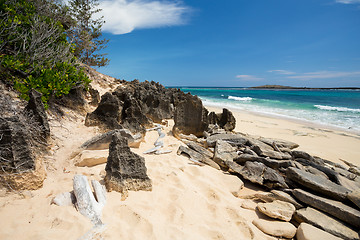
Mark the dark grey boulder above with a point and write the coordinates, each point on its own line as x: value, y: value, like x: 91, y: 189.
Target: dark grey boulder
x: 272, y: 163
x: 190, y: 117
x: 125, y: 170
x: 317, y: 183
x: 102, y: 141
x: 239, y: 139
x: 108, y: 113
x: 319, y: 165
x: 197, y: 156
x: 258, y: 173
x: 16, y: 154
x: 224, y: 152
x: 35, y: 108
x: 270, y: 153
x: 332, y: 207
x: 278, y: 143
x: 198, y: 148
x: 213, y: 118
x: 325, y: 222
x: 227, y: 120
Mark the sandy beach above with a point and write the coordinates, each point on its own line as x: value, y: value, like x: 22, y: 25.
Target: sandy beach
x: 187, y: 201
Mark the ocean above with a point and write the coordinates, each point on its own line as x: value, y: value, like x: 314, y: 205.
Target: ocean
x: 333, y: 108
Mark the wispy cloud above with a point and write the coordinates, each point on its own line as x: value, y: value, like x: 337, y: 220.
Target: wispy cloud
x: 285, y: 72
x: 323, y: 74
x: 248, y: 78
x: 124, y: 16
x: 348, y: 1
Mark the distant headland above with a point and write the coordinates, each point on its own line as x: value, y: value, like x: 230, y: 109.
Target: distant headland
x: 306, y: 88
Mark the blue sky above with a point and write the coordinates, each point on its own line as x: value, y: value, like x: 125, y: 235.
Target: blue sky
x: 234, y: 43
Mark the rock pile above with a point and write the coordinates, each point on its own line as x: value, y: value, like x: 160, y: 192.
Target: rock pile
x: 309, y: 188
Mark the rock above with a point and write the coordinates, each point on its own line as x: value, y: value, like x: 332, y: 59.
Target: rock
x: 258, y: 173
x: 134, y: 119
x: 317, y: 183
x: 108, y: 113
x: 90, y: 158
x: 307, y: 232
x: 213, y: 118
x: 315, y: 171
x: 354, y: 197
x: 197, y: 156
x: 348, y: 184
x: 249, y: 204
x: 227, y: 120
x: 279, y: 143
x: 277, y: 209
x: 102, y: 141
x: 302, y: 154
x: 36, y: 109
x: 224, y: 152
x: 276, y: 228
x: 283, y: 196
x: 75, y: 99
x: 64, y: 199
x: 238, y: 139
x: 190, y: 117
x: 326, y: 223
x: 95, y: 96
x: 270, y: 153
x: 332, y: 207
x: 125, y: 170
x: 15, y: 146
x: 319, y: 165
x: 275, y: 164
x: 199, y: 149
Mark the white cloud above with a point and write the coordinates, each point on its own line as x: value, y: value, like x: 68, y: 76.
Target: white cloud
x: 123, y: 16
x: 248, y: 78
x: 324, y: 74
x: 285, y: 72
x: 348, y: 1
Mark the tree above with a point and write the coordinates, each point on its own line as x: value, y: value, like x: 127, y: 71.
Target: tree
x: 86, y: 35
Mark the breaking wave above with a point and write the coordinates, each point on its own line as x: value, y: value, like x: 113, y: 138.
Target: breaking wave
x: 338, y: 109
x: 246, y: 99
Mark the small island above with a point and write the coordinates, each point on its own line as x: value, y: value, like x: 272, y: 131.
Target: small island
x: 302, y: 88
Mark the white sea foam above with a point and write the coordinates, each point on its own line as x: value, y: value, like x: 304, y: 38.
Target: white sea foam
x: 245, y: 99
x: 339, y: 109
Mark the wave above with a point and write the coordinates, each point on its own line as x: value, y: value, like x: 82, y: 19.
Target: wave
x: 246, y: 99
x: 339, y: 109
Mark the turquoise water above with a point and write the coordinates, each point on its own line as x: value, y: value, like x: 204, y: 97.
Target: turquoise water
x: 337, y: 108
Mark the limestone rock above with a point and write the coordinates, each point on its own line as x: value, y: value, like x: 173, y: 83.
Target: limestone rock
x: 90, y: 158
x: 190, y: 117
x: 279, y: 143
x: 276, y: 228
x: 272, y: 163
x: 354, y: 197
x: 258, y: 173
x: 277, y: 209
x: 102, y: 141
x: 237, y: 139
x: 227, y: 120
x: 308, y: 232
x: 108, y: 113
x: 326, y: 223
x: 64, y: 199
x: 198, y: 148
x: 332, y: 207
x: 270, y: 153
x: 224, y: 152
x: 36, y: 109
x: 317, y: 183
x: 125, y: 170
x: 197, y: 156
x: 249, y: 204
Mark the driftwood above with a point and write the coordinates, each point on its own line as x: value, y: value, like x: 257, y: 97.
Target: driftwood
x: 86, y: 203
x: 158, y: 143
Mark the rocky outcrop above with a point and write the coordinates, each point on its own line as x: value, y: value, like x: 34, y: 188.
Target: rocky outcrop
x: 233, y: 139
x: 197, y: 156
x: 125, y: 170
x: 277, y: 209
x: 317, y: 183
x: 258, y: 173
x: 274, y: 195
x: 224, y: 152
x: 326, y: 223
x: 308, y: 232
x: 190, y: 117
x: 276, y: 228
x: 35, y: 108
x: 332, y: 207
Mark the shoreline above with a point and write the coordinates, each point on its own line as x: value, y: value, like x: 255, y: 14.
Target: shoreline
x: 323, y: 141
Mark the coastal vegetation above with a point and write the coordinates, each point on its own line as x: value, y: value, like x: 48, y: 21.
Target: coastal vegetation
x: 43, y: 43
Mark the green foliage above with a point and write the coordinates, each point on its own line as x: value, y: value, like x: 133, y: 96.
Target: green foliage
x: 34, y: 50
x: 86, y: 34
x: 52, y: 82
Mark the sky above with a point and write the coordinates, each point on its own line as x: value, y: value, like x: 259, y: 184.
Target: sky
x: 234, y: 43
